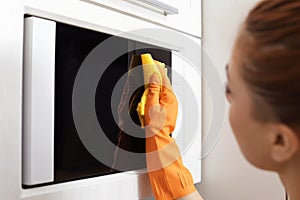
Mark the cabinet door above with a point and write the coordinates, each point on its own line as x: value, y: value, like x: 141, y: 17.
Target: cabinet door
x: 187, y: 20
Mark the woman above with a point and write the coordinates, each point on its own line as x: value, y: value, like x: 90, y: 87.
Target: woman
x: 263, y: 83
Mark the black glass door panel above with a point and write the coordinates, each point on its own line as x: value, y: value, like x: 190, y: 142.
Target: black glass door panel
x: 73, y: 44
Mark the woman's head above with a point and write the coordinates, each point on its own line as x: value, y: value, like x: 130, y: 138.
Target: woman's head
x: 264, y: 84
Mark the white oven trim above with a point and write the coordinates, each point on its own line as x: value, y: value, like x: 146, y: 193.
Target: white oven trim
x: 127, y: 185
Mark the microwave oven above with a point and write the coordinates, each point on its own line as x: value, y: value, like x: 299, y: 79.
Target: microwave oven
x: 52, y: 150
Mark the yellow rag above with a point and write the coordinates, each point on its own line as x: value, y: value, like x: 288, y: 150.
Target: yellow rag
x: 149, y: 68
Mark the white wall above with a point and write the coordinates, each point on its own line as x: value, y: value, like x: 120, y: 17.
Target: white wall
x: 226, y: 174
x: 10, y: 99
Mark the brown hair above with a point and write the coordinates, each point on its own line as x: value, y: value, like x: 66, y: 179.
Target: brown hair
x: 270, y: 42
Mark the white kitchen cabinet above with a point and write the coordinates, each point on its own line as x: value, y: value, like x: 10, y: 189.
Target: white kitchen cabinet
x: 108, y: 19
x: 188, y: 19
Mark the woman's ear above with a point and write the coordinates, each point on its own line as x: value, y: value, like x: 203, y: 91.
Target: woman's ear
x: 285, y: 143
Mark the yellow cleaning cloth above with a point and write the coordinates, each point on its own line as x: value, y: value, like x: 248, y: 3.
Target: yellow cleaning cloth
x: 149, y: 68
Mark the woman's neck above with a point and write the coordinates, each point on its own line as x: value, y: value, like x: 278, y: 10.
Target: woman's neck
x: 290, y: 177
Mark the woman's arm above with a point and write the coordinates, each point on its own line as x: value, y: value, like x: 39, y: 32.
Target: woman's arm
x: 193, y: 196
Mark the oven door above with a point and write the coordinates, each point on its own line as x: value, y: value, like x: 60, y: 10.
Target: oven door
x: 53, y: 150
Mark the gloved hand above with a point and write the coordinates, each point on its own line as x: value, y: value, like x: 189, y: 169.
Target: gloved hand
x: 169, y: 178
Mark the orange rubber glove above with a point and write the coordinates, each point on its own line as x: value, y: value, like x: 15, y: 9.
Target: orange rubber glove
x: 168, y: 177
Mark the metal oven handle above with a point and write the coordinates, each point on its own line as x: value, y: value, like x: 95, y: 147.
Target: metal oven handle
x: 167, y: 9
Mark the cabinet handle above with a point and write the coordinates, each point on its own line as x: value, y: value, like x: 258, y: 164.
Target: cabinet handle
x: 167, y: 9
